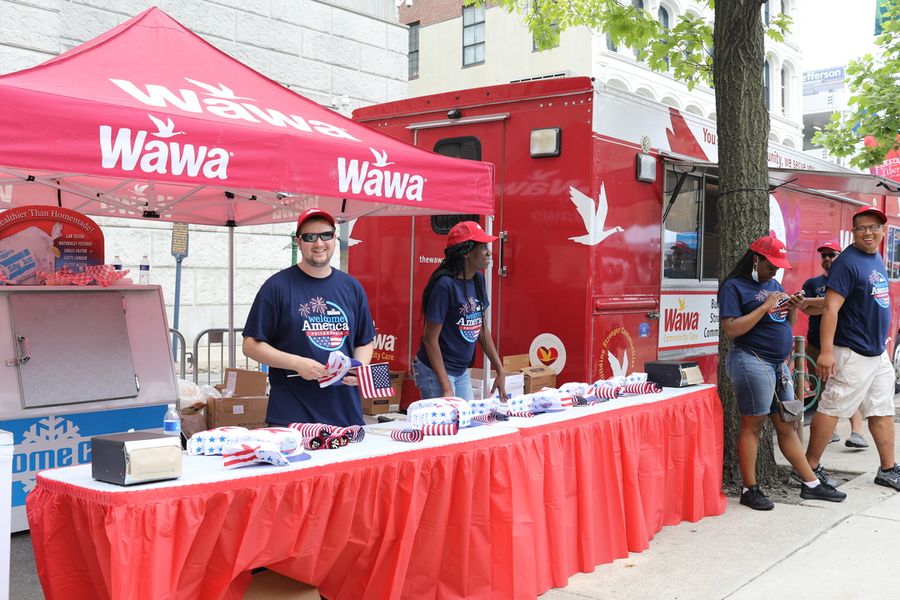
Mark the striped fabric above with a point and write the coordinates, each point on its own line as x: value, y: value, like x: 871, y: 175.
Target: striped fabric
x: 441, y: 429
x: 310, y: 430
x: 486, y: 418
x: 407, y: 435
x: 521, y: 413
x: 607, y: 392
x: 648, y: 387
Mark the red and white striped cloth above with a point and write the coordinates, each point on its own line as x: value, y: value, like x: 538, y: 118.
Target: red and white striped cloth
x: 251, y: 453
x: 607, y: 392
x: 441, y: 429
x: 311, y: 430
x: 486, y: 418
x: 648, y: 387
x: 407, y: 435
x: 521, y: 413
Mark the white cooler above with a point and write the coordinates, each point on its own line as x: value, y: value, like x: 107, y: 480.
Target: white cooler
x: 6, y: 456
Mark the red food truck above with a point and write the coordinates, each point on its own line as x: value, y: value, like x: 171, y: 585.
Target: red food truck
x: 605, y: 204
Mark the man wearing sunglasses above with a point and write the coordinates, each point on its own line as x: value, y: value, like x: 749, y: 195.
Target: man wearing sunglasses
x: 852, y: 357
x: 302, y: 314
x: 814, y: 288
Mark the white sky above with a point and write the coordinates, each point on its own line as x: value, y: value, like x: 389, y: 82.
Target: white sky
x: 832, y: 32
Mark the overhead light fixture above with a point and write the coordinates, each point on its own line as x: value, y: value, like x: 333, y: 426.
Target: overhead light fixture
x: 546, y: 142
x: 646, y: 167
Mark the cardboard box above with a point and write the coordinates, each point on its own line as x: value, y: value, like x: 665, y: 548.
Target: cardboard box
x: 378, y: 406
x: 515, y: 382
x: 135, y: 457
x: 537, y: 378
x: 241, y: 382
x: 241, y: 411
x: 516, y: 362
x: 269, y: 585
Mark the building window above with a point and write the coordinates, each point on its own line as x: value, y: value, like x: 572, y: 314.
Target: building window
x: 892, y: 248
x: 767, y: 83
x: 785, y: 78
x: 414, y: 50
x: 662, y: 15
x: 638, y: 4
x: 610, y: 45
x: 473, y: 35
x: 466, y: 148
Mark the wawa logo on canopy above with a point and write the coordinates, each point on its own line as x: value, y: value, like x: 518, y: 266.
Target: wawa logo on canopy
x: 375, y: 179
x: 129, y: 149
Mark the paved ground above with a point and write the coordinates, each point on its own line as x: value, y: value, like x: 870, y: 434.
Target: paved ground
x: 814, y: 550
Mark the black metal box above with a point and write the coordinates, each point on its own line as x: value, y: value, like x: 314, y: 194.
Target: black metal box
x: 135, y: 457
x: 673, y: 373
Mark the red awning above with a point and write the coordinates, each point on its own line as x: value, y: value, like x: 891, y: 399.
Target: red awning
x: 149, y: 120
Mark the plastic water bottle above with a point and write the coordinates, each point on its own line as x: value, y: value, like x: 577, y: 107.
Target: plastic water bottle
x: 172, y: 421
x: 145, y: 271
x: 117, y: 262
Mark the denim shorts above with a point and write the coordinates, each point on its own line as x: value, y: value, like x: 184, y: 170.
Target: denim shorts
x: 430, y: 387
x: 756, y: 381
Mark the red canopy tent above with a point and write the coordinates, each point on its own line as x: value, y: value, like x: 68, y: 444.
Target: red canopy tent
x: 150, y: 121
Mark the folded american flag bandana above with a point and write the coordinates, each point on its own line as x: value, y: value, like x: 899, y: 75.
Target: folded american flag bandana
x: 647, y: 387
x: 527, y: 414
x: 407, y: 435
x: 606, y: 392
x: 242, y: 455
x: 338, y: 366
x: 355, y: 433
x: 435, y: 411
x: 587, y: 400
x: 212, y: 441
x: 441, y: 429
x: 491, y: 417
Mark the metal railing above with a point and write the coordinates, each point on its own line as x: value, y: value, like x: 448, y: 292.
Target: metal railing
x: 180, y: 352
x: 216, y: 355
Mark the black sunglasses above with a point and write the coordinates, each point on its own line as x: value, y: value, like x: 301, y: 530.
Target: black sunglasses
x: 828, y: 254
x: 312, y: 237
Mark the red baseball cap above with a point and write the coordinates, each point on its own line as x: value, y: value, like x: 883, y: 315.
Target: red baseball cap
x: 829, y: 246
x: 873, y: 210
x: 772, y: 249
x: 310, y: 213
x: 468, y: 231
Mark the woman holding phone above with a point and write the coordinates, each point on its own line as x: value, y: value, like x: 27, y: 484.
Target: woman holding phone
x: 757, y: 314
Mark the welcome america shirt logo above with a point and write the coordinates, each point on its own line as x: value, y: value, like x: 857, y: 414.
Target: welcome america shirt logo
x: 325, y: 323
x: 879, y: 289
x: 469, y: 323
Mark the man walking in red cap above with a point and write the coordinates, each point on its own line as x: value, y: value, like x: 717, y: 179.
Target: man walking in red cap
x: 852, y: 358
x: 814, y: 289
x: 302, y: 314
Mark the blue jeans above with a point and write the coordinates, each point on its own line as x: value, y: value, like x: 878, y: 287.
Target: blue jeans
x: 430, y: 387
x: 756, y: 381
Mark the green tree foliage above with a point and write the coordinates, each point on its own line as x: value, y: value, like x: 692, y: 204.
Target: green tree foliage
x: 874, y: 83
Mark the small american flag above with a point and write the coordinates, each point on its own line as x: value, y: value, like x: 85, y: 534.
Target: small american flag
x: 375, y: 380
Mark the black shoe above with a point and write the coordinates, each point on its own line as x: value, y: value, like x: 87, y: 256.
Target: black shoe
x: 755, y: 499
x: 823, y: 491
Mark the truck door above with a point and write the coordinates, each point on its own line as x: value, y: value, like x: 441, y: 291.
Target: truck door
x: 482, y: 139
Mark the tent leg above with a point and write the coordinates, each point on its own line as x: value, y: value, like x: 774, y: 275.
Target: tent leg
x: 488, y: 284
x: 232, y: 350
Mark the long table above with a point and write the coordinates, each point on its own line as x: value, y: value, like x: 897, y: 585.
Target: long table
x: 501, y: 511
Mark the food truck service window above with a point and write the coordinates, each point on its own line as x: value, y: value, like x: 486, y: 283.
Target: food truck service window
x: 690, y: 243
x: 892, y: 252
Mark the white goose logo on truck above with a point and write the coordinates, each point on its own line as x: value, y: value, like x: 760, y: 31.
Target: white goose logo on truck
x: 594, y: 217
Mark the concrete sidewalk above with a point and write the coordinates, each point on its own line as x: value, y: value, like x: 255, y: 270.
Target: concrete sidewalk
x: 816, y: 550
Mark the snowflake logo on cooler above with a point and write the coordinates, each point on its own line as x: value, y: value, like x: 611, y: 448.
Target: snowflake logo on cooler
x: 51, y: 442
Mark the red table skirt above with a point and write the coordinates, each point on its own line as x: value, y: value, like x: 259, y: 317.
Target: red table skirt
x: 508, y: 517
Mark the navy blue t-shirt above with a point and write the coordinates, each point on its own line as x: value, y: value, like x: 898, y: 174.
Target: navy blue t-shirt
x: 864, y: 319
x: 455, y: 305
x: 310, y: 317
x: 814, y: 287
x: 771, y: 338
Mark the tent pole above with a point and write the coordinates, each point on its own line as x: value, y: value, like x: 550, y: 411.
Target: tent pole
x: 488, y: 284
x: 232, y: 351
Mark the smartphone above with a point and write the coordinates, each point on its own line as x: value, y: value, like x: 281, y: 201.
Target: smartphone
x: 787, y: 299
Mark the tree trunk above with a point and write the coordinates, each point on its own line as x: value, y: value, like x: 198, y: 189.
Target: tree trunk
x: 738, y: 55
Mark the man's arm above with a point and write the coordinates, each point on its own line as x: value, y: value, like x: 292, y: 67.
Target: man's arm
x: 825, y: 362
x: 263, y: 352
x: 813, y: 306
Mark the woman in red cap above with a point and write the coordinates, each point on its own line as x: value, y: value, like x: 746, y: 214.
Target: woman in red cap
x: 757, y: 314
x: 453, y: 303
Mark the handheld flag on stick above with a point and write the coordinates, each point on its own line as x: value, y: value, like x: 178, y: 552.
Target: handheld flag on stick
x: 375, y: 380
